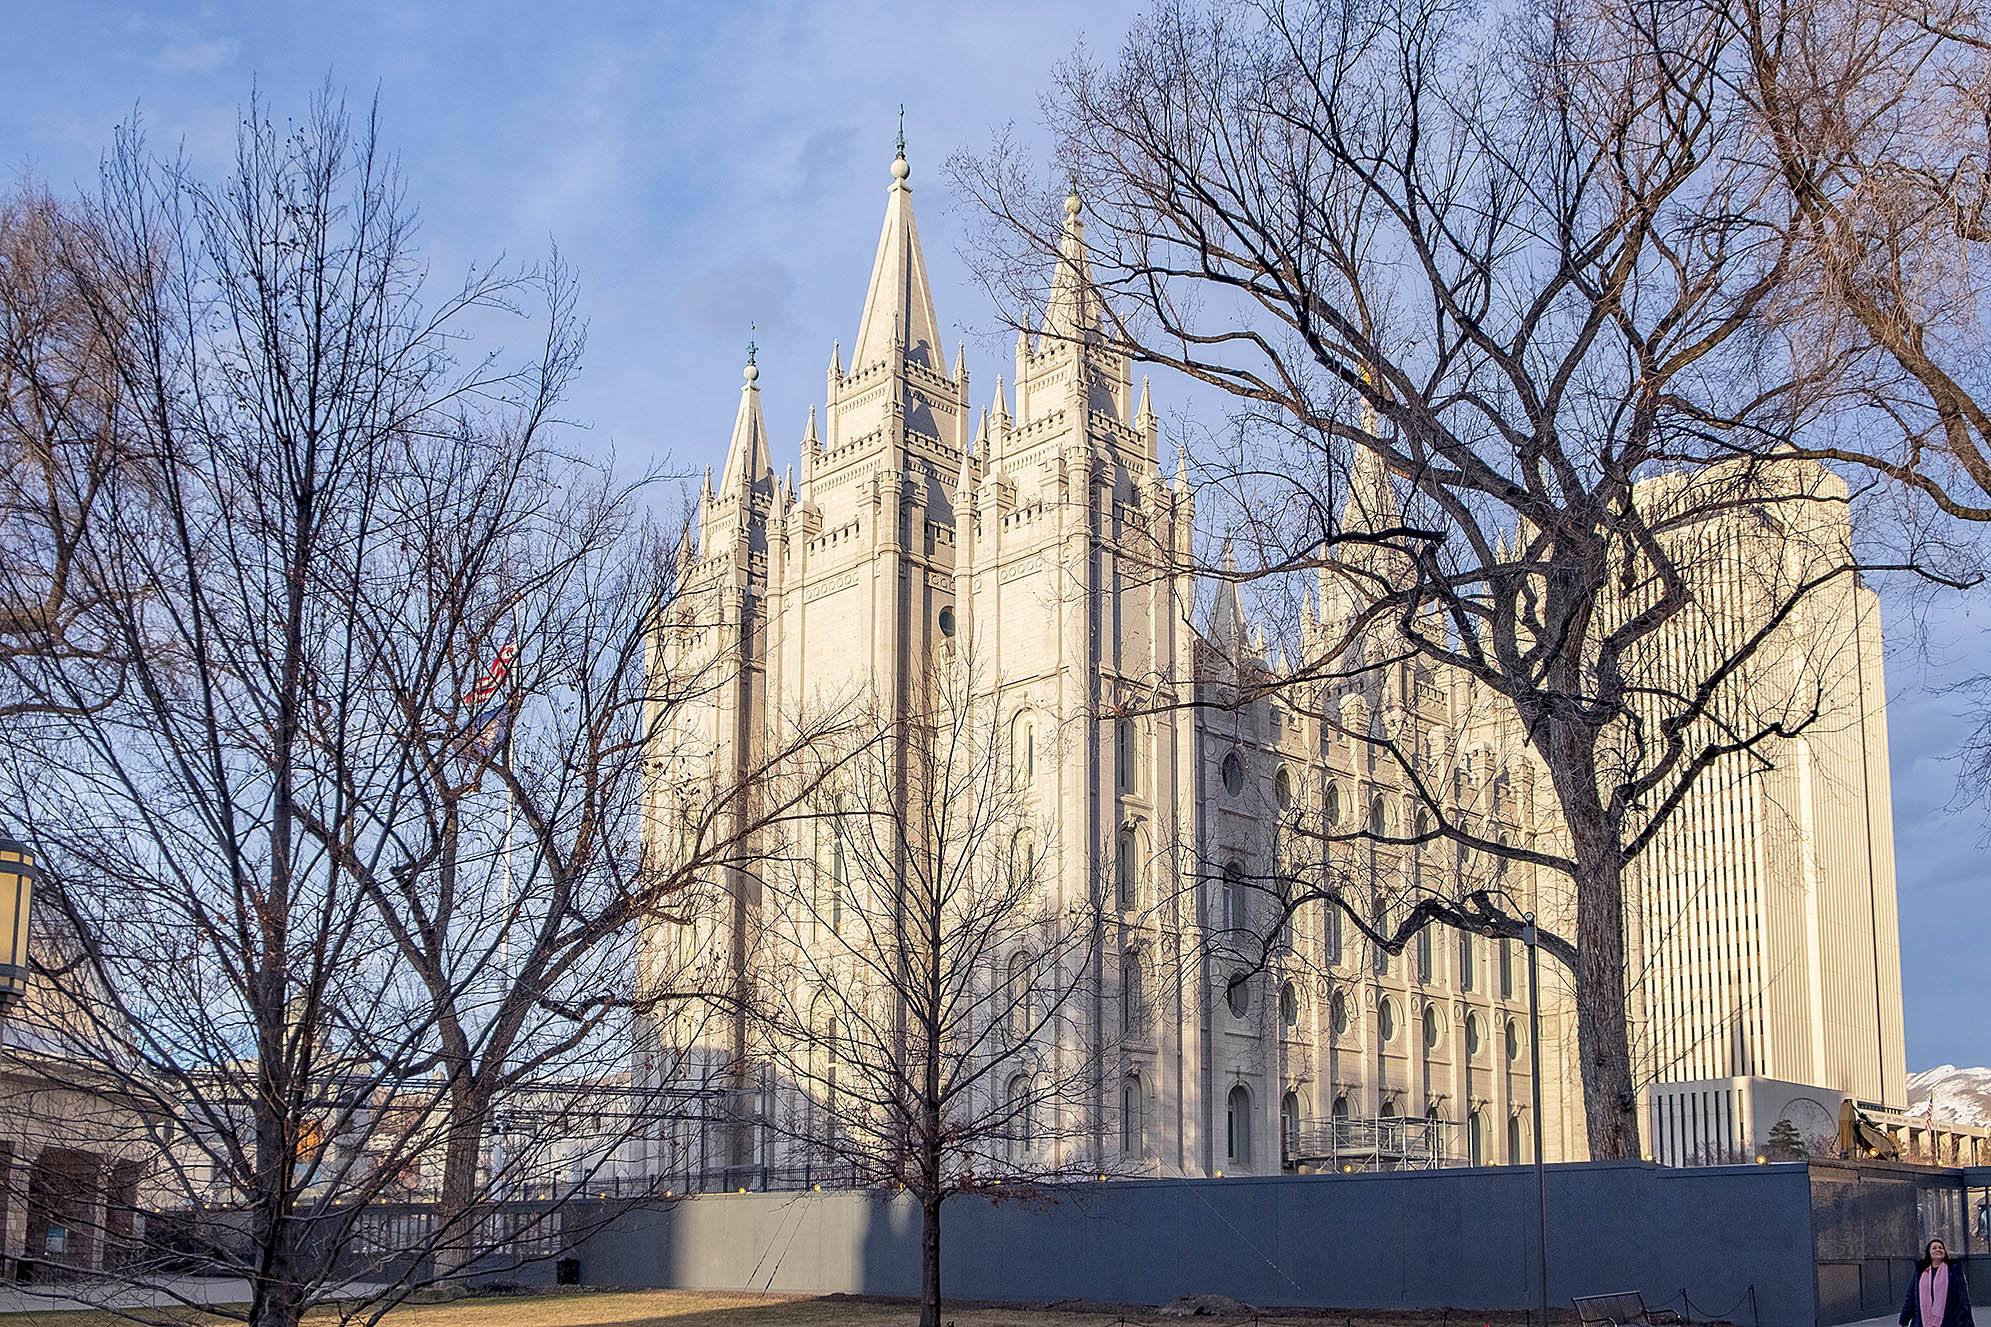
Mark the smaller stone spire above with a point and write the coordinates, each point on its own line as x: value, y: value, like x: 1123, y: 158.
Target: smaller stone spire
x: 960, y: 361
x: 812, y: 444
x: 747, y: 458
x: 836, y: 360
x: 964, y: 484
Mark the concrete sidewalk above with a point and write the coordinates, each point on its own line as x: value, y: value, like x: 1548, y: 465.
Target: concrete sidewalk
x: 169, y: 1290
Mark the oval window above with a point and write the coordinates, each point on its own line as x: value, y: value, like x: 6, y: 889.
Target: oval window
x: 1386, y: 1019
x: 1472, y: 1034
x: 1431, y: 1027
x: 1337, y: 1013
x: 1238, y: 996
x: 1233, y: 774
x: 947, y: 620
x: 1513, y: 1041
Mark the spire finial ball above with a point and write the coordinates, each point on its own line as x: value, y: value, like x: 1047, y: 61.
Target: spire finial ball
x: 751, y: 373
x: 900, y: 169
x: 1072, y: 204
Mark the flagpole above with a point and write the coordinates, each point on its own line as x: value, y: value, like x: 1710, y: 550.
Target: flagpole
x: 511, y: 814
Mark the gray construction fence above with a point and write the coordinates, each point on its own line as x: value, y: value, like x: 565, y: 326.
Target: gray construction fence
x: 1788, y: 1245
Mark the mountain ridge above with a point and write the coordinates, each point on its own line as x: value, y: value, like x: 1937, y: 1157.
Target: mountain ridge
x: 1962, y: 1095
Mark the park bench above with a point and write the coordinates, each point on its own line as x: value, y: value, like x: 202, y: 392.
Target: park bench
x: 1624, y: 1309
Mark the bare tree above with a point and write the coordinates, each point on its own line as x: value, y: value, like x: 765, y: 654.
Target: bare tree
x: 922, y: 977
x: 1489, y: 289
x: 1873, y: 121
x: 62, y: 406
x: 332, y: 891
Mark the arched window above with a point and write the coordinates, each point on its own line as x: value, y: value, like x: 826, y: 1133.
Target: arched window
x: 1023, y: 748
x: 1337, y: 1013
x: 1133, y: 1121
x: 1289, y: 1124
x: 832, y: 882
x: 1386, y: 1019
x: 1126, y: 872
x: 1023, y: 859
x: 1340, y: 1109
x: 1517, y: 1138
x: 1018, y: 1101
x: 1127, y: 755
x: 1476, y: 1138
x: 1238, y: 996
x: 1331, y: 805
x: 1282, y: 789
x: 1388, y: 1111
x: 1465, y: 960
x: 1017, y: 996
x: 1381, y: 821
x: 1289, y: 1005
x: 1422, y: 821
x: 1133, y: 1000
x: 1233, y: 773
x: 1231, y: 912
x: 1237, y: 1124
x: 1379, y: 922
x: 1424, y: 960
x: 1434, y: 1027
x: 822, y: 1067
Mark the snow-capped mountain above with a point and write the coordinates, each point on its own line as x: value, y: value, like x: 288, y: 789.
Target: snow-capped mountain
x: 1963, y: 1095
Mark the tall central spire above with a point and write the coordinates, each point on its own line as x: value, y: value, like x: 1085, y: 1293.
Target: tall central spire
x: 898, y: 309
x: 1069, y: 314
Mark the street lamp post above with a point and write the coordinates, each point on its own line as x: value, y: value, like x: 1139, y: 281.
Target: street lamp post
x: 1528, y: 937
x: 17, y: 883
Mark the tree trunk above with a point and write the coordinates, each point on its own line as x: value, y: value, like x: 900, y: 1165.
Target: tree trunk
x: 1603, y: 1034
x: 462, y: 1151
x: 929, y: 1263
x: 931, y: 1195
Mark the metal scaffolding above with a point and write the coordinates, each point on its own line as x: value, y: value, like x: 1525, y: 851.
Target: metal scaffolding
x: 1373, y: 1143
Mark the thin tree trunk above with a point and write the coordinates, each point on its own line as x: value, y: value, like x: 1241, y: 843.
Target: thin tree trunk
x: 929, y: 1262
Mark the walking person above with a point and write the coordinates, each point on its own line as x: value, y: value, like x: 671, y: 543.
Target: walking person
x: 1937, y: 1297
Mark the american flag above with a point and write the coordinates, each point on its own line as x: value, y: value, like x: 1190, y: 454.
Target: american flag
x: 485, y: 734
x: 494, y: 677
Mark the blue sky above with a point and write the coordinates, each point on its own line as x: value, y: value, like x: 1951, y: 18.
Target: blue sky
x: 709, y: 166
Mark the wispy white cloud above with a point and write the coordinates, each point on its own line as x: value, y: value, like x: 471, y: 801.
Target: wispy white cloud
x: 199, y: 57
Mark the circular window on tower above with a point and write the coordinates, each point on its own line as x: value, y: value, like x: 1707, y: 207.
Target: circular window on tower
x: 947, y: 621
x: 1233, y: 774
